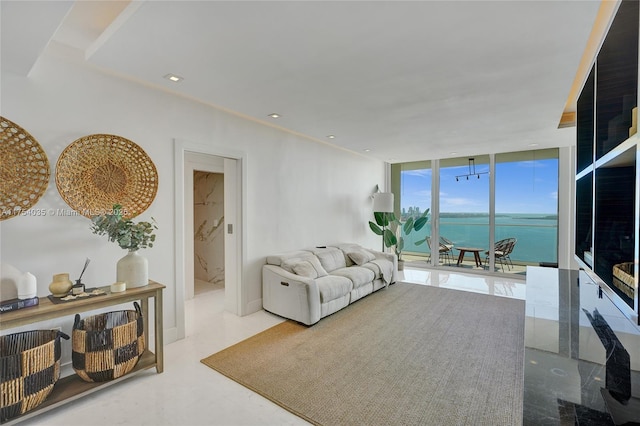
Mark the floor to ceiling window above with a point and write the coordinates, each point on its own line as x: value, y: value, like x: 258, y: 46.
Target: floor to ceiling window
x: 527, y: 204
x: 413, y: 182
x: 464, y: 205
x: 525, y: 209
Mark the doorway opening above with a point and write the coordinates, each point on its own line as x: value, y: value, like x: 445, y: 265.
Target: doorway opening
x: 228, y: 224
x: 208, y: 236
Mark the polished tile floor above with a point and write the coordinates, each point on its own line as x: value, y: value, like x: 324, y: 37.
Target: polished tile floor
x: 189, y: 393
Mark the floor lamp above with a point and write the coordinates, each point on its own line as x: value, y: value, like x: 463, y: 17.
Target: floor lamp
x: 383, y: 203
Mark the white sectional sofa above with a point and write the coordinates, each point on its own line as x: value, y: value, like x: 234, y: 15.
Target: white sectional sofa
x: 307, y: 285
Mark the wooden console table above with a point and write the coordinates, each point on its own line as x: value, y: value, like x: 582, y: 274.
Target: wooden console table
x: 72, y: 387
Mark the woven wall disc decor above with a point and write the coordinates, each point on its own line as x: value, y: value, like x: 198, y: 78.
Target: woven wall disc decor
x: 24, y: 170
x: 97, y: 171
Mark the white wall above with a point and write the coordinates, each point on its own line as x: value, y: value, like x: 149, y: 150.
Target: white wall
x: 299, y: 192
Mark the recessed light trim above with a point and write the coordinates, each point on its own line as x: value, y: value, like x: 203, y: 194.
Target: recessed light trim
x: 174, y: 78
x: 275, y: 115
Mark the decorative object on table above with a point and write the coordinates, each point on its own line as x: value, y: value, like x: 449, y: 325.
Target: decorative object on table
x: 118, y: 287
x: 132, y: 268
x: 107, y: 346
x: 61, y: 285
x: 15, y: 304
x: 97, y: 171
x: 29, y: 368
x: 78, y: 287
x: 28, y: 286
x: 69, y: 298
x: 24, y: 170
x: 10, y: 278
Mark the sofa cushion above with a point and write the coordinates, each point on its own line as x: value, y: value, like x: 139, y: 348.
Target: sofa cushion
x: 358, y: 275
x: 279, y: 259
x: 331, y: 258
x: 307, y: 267
x: 360, y: 256
x: 333, y: 287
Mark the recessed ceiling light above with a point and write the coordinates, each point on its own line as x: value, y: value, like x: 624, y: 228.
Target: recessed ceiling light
x: 274, y: 115
x: 367, y: 150
x: 453, y: 153
x: 331, y: 136
x: 533, y: 144
x: 174, y: 78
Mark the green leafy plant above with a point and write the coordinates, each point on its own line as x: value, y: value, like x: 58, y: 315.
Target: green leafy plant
x: 390, y: 228
x: 126, y: 233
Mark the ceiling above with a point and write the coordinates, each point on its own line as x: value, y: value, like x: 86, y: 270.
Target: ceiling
x: 394, y: 80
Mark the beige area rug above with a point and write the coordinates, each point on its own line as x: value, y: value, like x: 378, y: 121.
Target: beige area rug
x: 407, y: 355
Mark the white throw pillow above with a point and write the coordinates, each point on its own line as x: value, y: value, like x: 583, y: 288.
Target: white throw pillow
x: 304, y: 268
x: 308, y: 267
x: 361, y: 256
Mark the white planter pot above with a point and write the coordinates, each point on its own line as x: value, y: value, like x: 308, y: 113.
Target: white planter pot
x: 133, y: 269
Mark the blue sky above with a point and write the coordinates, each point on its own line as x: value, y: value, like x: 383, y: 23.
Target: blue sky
x: 521, y: 187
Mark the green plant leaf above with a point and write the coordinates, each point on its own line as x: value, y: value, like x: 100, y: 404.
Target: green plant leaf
x: 408, y: 226
x: 389, y: 238
x: 382, y: 218
x: 375, y: 228
x: 127, y: 234
x: 420, y: 223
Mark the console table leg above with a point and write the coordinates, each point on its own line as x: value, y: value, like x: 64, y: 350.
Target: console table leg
x: 144, y: 304
x: 158, y: 332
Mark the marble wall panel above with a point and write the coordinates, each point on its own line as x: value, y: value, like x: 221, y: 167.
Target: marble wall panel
x: 208, y: 197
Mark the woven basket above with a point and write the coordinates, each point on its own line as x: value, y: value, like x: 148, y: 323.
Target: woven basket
x: 623, y: 278
x: 107, y: 346
x: 29, y: 368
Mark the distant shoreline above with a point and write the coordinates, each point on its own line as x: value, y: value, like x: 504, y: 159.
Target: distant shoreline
x: 541, y: 216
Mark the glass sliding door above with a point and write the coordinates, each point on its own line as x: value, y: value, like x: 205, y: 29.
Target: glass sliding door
x: 411, y: 183
x: 526, y: 206
x: 464, y: 208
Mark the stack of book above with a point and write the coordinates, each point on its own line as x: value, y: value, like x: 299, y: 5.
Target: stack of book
x: 15, y: 304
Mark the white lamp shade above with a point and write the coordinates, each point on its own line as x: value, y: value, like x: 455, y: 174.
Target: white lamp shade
x: 383, y: 202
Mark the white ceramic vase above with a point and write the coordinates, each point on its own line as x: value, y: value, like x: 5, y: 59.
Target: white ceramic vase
x: 133, y: 269
x: 28, y: 286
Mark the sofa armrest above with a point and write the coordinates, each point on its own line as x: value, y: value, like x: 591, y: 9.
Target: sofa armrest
x: 289, y: 295
x: 391, y: 257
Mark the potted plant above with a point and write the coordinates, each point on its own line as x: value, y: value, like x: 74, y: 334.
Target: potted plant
x: 131, y: 236
x: 390, y: 228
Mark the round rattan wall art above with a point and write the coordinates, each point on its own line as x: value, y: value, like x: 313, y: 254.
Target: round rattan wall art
x: 97, y: 171
x: 24, y: 170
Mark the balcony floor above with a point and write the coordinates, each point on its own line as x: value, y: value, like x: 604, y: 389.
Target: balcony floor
x: 417, y: 261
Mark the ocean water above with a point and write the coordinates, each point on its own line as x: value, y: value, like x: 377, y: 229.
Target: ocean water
x: 537, y: 234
